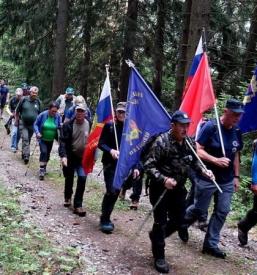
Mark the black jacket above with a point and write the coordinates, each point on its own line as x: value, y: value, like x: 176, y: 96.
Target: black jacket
x: 107, y: 142
x: 65, y: 141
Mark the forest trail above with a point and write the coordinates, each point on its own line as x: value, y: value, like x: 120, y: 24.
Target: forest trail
x: 117, y: 253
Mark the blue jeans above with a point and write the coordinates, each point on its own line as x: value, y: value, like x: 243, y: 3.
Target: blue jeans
x: 15, y: 137
x: 203, y: 193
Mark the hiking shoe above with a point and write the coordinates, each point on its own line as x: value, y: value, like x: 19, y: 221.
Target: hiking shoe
x: 122, y: 194
x: 41, y: 173
x: 8, y: 131
x: 80, y: 211
x: 203, y: 226
x: 242, y: 236
x: 106, y: 227
x: 161, y: 266
x: 215, y: 252
x: 14, y: 150
x: 26, y: 160
x: 183, y: 234
x: 67, y: 203
x: 134, y: 205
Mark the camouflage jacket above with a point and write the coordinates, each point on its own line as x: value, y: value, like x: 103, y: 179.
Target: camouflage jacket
x: 167, y: 158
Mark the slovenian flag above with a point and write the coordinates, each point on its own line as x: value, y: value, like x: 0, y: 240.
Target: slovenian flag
x: 103, y: 115
x: 195, y: 64
x: 199, y: 96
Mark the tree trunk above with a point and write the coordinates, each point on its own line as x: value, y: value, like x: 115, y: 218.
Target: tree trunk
x: 182, y: 61
x: 200, y: 17
x: 85, y: 65
x: 128, y: 46
x: 158, y: 52
x: 226, y: 64
x: 251, y: 54
x: 59, y: 74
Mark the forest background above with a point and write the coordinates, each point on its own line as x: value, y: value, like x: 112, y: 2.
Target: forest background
x: 58, y: 43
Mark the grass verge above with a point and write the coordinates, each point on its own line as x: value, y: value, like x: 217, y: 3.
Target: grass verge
x: 24, y: 248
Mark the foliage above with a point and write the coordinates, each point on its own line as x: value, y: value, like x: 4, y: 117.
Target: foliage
x: 11, y: 73
x: 24, y: 249
x: 28, y: 32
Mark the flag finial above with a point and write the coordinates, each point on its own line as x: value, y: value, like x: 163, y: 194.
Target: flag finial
x: 130, y: 63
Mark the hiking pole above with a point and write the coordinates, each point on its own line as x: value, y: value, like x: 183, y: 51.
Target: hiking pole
x: 203, y: 165
x: 28, y: 166
x: 148, y: 215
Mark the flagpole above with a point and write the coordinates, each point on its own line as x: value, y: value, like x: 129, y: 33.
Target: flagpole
x: 203, y: 165
x: 215, y: 104
x: 219, y: 130
x: 113, y: 114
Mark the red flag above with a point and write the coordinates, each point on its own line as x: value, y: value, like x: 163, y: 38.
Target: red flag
x: 199, y: 96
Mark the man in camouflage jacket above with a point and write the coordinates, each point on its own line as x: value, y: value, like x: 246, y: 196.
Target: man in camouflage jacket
x: 168, y: 163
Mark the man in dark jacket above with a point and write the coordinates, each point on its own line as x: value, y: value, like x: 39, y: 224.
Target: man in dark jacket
x: 107, y: 144
x: 15, y: 135
x: 168, y: 164
x: 25, y: 115
x: 73, y: 138
x: 4, y: 96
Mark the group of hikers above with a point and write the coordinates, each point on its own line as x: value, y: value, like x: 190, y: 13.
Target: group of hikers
x: 167, y: 164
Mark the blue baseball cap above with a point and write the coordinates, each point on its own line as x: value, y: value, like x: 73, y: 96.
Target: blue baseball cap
x: 235, y: 105
x: 181, y: 117
x: 69, y: 91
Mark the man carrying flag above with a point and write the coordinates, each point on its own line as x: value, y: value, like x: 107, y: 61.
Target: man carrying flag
x: 225, y: 169
x: 168, y: 164
x: 109, y: 143
x: 103, y: 115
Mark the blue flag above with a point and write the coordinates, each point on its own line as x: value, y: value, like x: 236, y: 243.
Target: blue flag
x: 248, y: 122
x: 145, y: 117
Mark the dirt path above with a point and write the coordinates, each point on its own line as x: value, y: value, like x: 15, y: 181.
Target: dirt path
x: 115, y: 253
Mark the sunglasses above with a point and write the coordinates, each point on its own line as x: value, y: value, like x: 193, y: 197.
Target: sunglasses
x: 121, y: 112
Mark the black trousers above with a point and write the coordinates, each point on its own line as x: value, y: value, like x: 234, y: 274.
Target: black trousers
x: 168, y: 215
x: 250, y: 220
x: 68, y: 172
x: 136, y: 185
x: 111, y: 195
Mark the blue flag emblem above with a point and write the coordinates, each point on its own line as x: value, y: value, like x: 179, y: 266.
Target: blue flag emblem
x: 145, y: 117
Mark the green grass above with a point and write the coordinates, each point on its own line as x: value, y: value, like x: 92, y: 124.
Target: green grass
x: 24, y: 248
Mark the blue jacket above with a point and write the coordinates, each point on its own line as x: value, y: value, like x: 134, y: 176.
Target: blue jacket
x: 41, y: 118
x: 254, y: 166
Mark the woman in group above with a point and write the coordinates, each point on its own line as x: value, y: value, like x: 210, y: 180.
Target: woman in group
x: 46, y: 129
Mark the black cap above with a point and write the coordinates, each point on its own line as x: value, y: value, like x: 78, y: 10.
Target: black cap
x: 235, y: 105
x: 180, y: 117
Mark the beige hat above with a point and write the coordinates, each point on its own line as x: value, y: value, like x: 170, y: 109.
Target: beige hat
x: 121, y: 106
x: 81, y: 107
